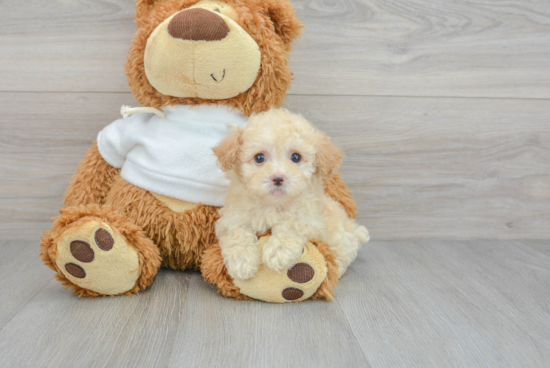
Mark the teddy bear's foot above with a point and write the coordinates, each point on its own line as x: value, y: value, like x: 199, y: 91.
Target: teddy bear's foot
x: 97, y: 251
x: 94, y: 257
x: 313, y: 276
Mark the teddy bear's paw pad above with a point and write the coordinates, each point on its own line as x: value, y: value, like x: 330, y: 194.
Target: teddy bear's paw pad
x: 292, y: 293
x: 95, y: 257
x: 293, y: 285
x: 301, y: 272
x: 103, y: 239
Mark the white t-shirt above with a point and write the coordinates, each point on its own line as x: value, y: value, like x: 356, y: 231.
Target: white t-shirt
x: 172, y: 156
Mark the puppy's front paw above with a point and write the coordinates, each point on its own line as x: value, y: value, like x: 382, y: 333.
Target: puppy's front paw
x: 280, y: 256
x: 243, y: 265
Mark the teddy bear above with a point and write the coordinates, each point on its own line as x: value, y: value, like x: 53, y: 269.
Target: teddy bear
x: 148, y: 191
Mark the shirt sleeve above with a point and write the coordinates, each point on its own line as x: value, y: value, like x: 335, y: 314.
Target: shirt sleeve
x: 117, y: 139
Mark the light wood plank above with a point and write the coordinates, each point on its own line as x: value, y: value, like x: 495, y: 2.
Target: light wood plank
x: 418, y: 167
x: 349, y: 47
x: 423, y: 48
x: 181, y: 320
x: 22, y: 276
x: 41, y: 145
x: 450, y: 303
x: 402, y: 303
x: 59, y: 329
x: 71, y: 45
x: 224, y: 332
x: 442, y: 167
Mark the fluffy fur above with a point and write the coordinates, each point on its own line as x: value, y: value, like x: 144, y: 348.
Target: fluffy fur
x: 284, y: 193
x: 92, y: 181
x: 180, y: 237
x: 215, y: 272
x: 183, y: 240
x: 271, y: 23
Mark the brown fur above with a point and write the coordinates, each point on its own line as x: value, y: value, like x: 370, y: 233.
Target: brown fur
x: 271, y: 23
x: 183, y: 240
x: 180, y: 237
x: 337, y: 189
x: 326, y: 290
x: 92, y: 180
x: 148, y: 254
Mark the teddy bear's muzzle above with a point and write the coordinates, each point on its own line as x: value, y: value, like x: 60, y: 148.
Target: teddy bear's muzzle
x: 198, y: 25
x: 201, y: 53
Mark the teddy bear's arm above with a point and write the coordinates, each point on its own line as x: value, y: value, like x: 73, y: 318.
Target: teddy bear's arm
x: 92, y: 180
x: 337, y: 189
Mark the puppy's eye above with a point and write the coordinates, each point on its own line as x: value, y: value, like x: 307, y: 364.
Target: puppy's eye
x: 259, y: 158
x: 217, y: 11
x: 295, y: 157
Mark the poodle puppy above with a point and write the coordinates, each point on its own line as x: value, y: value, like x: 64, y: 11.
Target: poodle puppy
x: 276, y: 166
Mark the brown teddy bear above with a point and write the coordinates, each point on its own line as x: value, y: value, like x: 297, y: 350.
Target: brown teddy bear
x: 148, y: 191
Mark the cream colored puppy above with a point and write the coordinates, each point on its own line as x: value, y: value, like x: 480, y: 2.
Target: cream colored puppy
x: 276, y: 166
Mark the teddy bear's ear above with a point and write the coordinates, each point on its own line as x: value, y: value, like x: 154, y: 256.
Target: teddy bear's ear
x: 144, y: 5
x: 284, y: 19
x: 143, y: 8
x: 228, y: 149
x: 328, y: 156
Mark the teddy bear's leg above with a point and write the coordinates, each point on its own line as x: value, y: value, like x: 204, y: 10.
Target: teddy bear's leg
x: 181, y: 230
x: 313, y: 276
x: 92, y: 180
x: 99, y: 251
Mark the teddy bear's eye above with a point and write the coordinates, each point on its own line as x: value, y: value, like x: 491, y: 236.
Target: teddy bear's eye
x: 295, y: 157
x: 259, y: 158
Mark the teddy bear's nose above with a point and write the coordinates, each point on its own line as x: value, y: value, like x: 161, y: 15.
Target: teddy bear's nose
x: 198, y: 25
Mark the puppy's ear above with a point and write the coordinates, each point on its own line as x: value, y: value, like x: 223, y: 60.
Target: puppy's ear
x: 328, y: 156
x: 228, y: 149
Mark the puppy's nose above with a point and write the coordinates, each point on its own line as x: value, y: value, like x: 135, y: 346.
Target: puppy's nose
x: 278, y: 180
x: 198, y: 25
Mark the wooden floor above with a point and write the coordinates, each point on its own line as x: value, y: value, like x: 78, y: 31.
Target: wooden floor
x: 443, y: 109
x: 402, y: 304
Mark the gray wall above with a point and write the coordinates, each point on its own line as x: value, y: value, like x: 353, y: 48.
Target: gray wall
x: 442, y: 108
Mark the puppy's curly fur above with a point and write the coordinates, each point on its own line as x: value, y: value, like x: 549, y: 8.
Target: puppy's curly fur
x: 277, y: 166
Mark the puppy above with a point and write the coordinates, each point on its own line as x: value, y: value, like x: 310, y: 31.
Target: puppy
x: 276, y: 167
